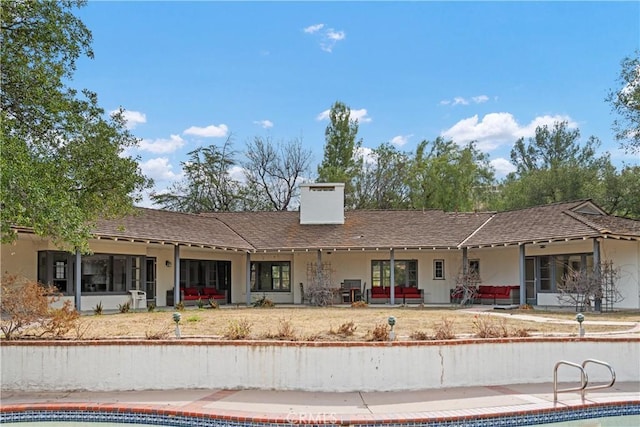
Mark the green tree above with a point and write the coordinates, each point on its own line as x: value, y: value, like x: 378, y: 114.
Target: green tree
x: 341, y: 162
x: 625, y: 102
x: 63, y: 164
x: 552, y: 167
x: 619, y: 192
x: 443, y: 175
x: 208, y: 185
x: 274, y: 172
x: 382, y: 181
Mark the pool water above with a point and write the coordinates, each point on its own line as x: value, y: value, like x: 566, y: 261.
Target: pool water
x: 620, y: 421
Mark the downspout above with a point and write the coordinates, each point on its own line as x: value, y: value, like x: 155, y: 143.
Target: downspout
x: 523, y: 285
x: 78, y: 281
x: 393, y: 276
x: 176, y: 274
x: 248, y: 279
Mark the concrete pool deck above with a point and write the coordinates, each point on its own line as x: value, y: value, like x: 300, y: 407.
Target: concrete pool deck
x: 297, y: 407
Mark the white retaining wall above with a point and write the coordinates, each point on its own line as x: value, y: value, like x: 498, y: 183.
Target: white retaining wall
x: 339, y: 367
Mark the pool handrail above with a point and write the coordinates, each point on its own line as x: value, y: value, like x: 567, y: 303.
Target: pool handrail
x: 584, y: 380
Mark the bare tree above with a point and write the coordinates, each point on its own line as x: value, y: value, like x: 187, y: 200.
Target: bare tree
x: 274, y: 171
x: 581, y: 287
x: 208, y: 185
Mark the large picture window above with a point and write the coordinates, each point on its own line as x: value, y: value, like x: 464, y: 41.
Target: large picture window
x: 552, y: 269
x: 405, y: 273
x: 271, y: 276
x: 100, y: 273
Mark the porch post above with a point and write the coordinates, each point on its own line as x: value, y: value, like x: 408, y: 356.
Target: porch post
x: 392, y: 263
x: 523, y: 285
x: 319, y: 268
x: 596, y: 255
x: 465, y: 261
x: 176, y: 274
x: 248, y: 279
x: 78, y: 281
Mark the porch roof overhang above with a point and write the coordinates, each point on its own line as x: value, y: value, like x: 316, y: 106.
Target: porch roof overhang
x: 551, y: 240
x: 168, y: 242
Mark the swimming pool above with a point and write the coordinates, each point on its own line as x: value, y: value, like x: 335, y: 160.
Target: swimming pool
x: 605, y: 415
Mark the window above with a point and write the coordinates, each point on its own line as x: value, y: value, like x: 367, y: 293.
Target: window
x: 100, y: 273
x: 552, y: 269
x: 56, y: 268
x: 438, y: 269
x: 205, y: 273
x: 405, y: 273
x: 474, y: 267
x: 271, y: 276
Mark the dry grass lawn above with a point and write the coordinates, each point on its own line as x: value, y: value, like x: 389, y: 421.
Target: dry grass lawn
x: 332, y: 323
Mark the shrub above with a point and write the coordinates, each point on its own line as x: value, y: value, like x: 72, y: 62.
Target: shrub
x: 200, y: 303
x: 124, y: 308
x: 419, y: 336
x: 60, y: 321
x: 238, y: 329
x: 159, y: 334
x: 97, y: 310
x: 521, y: 332
x: 263, y: 302
x: 180, y: 306
x: 213, y: 303
x: 359, y: 304
x: 444, y: 329
x: 151, y: 307
x: 380, y: 332
x: 25, y: 309
x: 486, y: 327
x: 347, y: 329
x: 286, y: 331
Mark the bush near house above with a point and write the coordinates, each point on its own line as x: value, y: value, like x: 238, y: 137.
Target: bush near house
x: 26, y: 310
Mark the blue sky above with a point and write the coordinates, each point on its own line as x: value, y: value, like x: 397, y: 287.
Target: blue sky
x: 192, y: 73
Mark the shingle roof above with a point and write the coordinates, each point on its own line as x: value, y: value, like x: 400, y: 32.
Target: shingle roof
x: 171, y: 227
x: 361, y: 229
x: 370, y: 229
x: 612, y: 224
x: 551, y: 222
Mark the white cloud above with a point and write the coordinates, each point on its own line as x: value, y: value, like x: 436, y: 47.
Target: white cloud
x: 327, y: 37
x: 159, y: 169
x: 210, y: 131
x: 313, y: 28
x: 359, y: 115
x: 502, y: 166
x: 162, y: 145
x: 132, y: 118
x: 335, y: 35
x: 496, y: 129
x: 267, y: 124
x: 459, y: 100
x: 400, y: 140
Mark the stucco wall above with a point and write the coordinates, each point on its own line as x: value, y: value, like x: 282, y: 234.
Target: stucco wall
x: 131, y: 365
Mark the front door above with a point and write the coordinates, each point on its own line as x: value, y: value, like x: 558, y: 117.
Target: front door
x: 530, y: 279
x: 150, y: 281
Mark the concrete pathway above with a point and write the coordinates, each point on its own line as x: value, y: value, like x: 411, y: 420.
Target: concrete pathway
x: 296, y: 407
